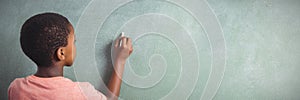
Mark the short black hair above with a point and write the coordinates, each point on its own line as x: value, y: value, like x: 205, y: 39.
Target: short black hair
x: 42, y: 35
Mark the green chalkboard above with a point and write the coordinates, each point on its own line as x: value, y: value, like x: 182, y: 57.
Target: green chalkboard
x: 183, y: 49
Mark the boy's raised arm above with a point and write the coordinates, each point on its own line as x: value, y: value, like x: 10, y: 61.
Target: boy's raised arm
x: 120, y: 53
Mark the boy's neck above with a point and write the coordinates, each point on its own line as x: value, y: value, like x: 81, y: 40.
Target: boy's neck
x: 51, y: 71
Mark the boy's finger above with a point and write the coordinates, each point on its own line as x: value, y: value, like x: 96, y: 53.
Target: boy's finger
x: 124, y: 41
x: 129, y: 42
x: 117, y: 42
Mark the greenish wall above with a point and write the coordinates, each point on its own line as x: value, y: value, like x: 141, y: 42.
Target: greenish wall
x: 220, y: 49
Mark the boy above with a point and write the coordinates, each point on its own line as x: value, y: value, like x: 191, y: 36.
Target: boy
x: 48, y: 40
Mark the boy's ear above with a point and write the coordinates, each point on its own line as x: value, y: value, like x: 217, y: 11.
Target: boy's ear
x: 61, y: 53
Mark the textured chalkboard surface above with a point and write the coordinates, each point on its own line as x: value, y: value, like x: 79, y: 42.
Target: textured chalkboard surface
x: 183, y: 49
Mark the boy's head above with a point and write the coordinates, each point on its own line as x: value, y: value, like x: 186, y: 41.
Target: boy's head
x: 48, y: 39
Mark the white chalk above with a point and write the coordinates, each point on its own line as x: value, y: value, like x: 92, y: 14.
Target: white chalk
x: 122, y: 34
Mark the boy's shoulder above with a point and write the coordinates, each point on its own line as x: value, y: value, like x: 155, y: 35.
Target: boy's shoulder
x: 15, y: 82
x: 14, y: 86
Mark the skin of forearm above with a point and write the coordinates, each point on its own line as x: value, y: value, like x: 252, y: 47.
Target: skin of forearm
x: 116, y: 80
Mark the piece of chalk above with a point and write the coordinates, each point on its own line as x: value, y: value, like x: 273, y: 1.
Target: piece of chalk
x: 122, y: 34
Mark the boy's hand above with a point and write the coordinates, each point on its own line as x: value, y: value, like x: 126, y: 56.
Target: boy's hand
x: 121, y: 51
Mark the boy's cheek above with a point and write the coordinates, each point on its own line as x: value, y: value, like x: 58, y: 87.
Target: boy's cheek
x: 74, y: 52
